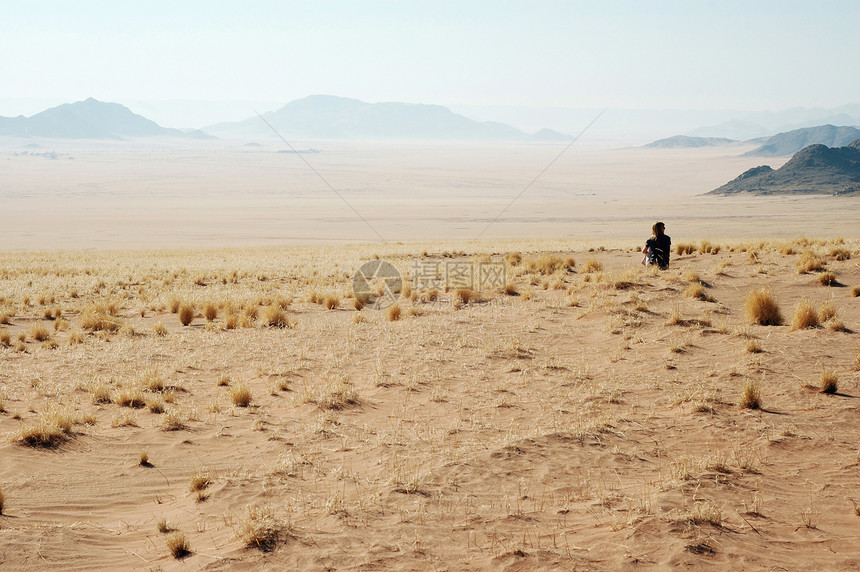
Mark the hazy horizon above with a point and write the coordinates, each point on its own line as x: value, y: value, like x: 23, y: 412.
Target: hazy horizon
x: 619, y: 55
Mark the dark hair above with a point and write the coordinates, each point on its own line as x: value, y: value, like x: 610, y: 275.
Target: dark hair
x: 658, y: 228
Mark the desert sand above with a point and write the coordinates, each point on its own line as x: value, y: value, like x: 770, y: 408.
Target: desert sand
x: 590, y: 418
x: 585, y: 413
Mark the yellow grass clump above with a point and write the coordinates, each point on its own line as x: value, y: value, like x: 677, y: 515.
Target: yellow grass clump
x: 855, y: 291
x: 330, y: 302
x: 100, y: 317
x: 827, y: 278
x: 2, y: 501
x: 829, y: 381
x: 186, y: 315
x: 805, y: 315
x: 827, y: 311
x: 261, y: 529
x: 809, y: 262
x: 5, y: 338
x: 840, y: 254
x: 52, y: 428
x: 393, y: 312
x: 178, y: 545
x: 334, y: 392
x: 750, y: 395
x: 761, y: 308
x: 241, y: 396
x: 592, y: 265
x: 275, y: 317
x: 210, y: 311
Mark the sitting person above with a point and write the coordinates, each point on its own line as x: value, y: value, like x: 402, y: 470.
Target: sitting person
x: 658, y: 247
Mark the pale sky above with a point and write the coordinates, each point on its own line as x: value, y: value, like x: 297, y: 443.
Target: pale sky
x: 626, y: 54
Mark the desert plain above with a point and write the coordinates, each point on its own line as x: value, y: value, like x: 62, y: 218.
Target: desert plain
x: 190, y: 381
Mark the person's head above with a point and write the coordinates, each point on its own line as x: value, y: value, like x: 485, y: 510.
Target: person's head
x: 658, y: 228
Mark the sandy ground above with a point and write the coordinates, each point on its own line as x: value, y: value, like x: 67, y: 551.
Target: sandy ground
x: 136, y: 195
x: 591, y: 421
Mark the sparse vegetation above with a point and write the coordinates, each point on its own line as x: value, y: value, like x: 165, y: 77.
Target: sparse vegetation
x: 178, y: 545
x: 393, y: 313
x: 241, y: 396
x: 186, y: 315
x: 761, y: 308
x: 805, y: 315
x: 750, y: 395
x: 829, y: 381
x: 261, y: 529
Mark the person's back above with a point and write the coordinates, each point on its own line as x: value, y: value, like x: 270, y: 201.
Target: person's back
x: 658, y: 247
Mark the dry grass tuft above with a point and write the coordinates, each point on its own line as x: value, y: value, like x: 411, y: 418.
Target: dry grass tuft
x: 855, y: 291
x: 143, y: 459
x: 592, y: 265
x: 186, y: 315
x: 5, y: 338
x: 761, y: 308
x: 805, y: 315
x: 210, y: 311
x: 465, y: 295
x: 685, y: 249
x: 241, y: 396
x: 827, y: 311
x: 753, y: 347
x: 697, y: 291
x: 2, y: 501
x: 840, y: 254
x: 809, y: 262
x: 162, y: 525
x: 50, y: 430
x: 261, y: 529
x: 706, y: 512
x: 393, y: 313
x: 178, y: 545
x: 334, y: 392
x: 172, y: 420
x: 39, y: 332
x: 829, y: 381
x: 129, y: 397
x: 511, y: 290
x: 827, y: 278
x: 200, y: 480
x: 159, y: 329
x: 275, y: 317
x: 750, y: 395
x: 331, y: 302
x: 100, y: 317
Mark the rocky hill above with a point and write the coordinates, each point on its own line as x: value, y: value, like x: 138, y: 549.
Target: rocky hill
x: 814, y: 170
x: 89, y: 119
x: 790, y: 142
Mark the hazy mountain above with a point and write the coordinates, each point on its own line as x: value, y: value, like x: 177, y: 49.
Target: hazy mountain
x: 763, y: 123
x: 734, y: 129
x: 331, y: 117
x: 816, y: 169
x: 783, y: 144
x: 89, y: 119
x: 685, y: 141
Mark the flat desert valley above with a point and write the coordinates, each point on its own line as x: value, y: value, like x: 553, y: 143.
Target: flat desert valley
x: 191, y: 379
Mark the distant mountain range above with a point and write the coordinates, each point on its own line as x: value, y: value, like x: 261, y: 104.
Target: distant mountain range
x: 686, y: 141
x: 783, y: 144
x: 814, y: 170
x: 767, y: 123
x: 89, y: 119
x: 330, y: 117
x: 779, y: 145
